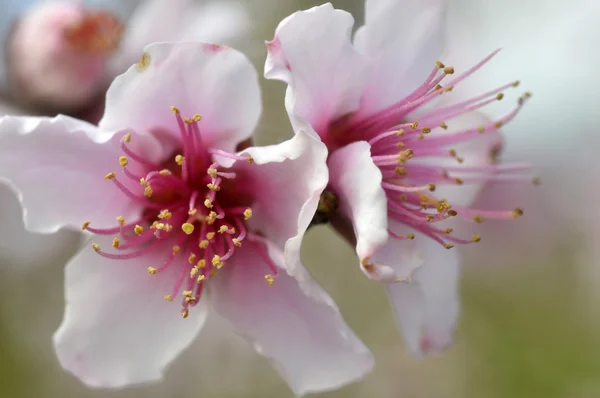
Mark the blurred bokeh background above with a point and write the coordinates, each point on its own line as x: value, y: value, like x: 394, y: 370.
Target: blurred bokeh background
x: 529, y: 326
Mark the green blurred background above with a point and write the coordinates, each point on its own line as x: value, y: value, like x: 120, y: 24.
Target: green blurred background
x: 528, y: 327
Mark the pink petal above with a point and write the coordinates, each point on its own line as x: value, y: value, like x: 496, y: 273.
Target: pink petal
x: 402, y: 40
x: 216, y: 82
x: 57, y: 166
x: 312, y: 52
x: 118, y: 329
x: 299, y: 329
x: 356, y: 181
x: 427, y: 308
x: 287, y: 180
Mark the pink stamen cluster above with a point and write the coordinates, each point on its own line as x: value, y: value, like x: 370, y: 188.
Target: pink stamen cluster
x: 191, y: 210
x: 397, y: 147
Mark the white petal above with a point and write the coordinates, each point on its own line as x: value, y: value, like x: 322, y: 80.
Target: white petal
x: 118, y: 329
x: 287, y: 179
x: 312, y: 52
x: 216, y: 82
x: 301, y: 331
x: 356, y: 181
x: 427, y: 309
x: 402, y: 40
x: 58, y: 165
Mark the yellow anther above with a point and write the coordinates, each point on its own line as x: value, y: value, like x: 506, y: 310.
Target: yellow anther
x: 210, y: 235
x: 123, y: 161
x: 213, y: 187
x: 212, y: 172
x: 223, y: 228
x: 110, y: 176
x: 203, y: 244
x: 517, y: 212
x: 121, y: 220
x: 250, y: 160
x: 190, y: 299
x: 476, y: 238
x: 439, y: 65
x: 85, y: 225
x: 165, y: 214
x: 452, y: 152
x: 187, y: 293
x: 152, y: 270
x: 179, y: 160
x: 421, y: 136
x: 401, y: 171
x: 406, y: 155
x: 481, y: 129
x: 400, y: 132
x: 400, y: 144
x: 187, y: 228
x: 516, y: 83
x: 165, y: 172
x: 148, y: 191
x: 208, y: 204
x: 499, y: 96
x: 200, y: 279
x: 201, y: 263
x: 449, y: 70
x: 448, y: 89
x: 185, y: 313
x: 237, y: 242
x: 127, y: 138
x: 196, y: 118
x: 211, y: 218
x: 459, y: 159
x: 176, y: 250
x: 116, y: 242
x: 96, y: 247
x: 414, y: 125
x: 247, y: 214
x: 426, y: 130
x: 459, y: 181
x: 498, y: 124
x: 448, y: 230
x: 270, y: 279
x: 175, y: 110
x: 452, y: 213
x: 429, y: 217
x: 194, y: 271
x: 216, y: 262
x: 192, y: 258
x: 168, y: 297
x: 143, y: 182
x: 443, y: 125
x: 448, y: 246
x: 431, y: 187
x: 438, y: 87
x: 138, y: 229
x: 478, y: 219
x: 410, y: 236
x: 192, y: 212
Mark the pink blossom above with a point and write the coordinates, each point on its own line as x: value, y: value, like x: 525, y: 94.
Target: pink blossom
x: 405, y: 161
x: 63, y: 54
x: 180, y: 222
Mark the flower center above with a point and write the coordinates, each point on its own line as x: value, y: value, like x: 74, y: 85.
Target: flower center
x: 96, y: 32
x: 192, y: 210
x: 415, y: 157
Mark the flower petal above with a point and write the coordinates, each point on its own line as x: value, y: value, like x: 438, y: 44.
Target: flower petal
x: 217, y: 82
x: 427, y: 308
x: 356, y: 181
x: 400, y: 58
x: 312, y: 52
x: 118, y: 329
x: 57, y: 167
x: 287, y: 180
x: 302, y: 333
